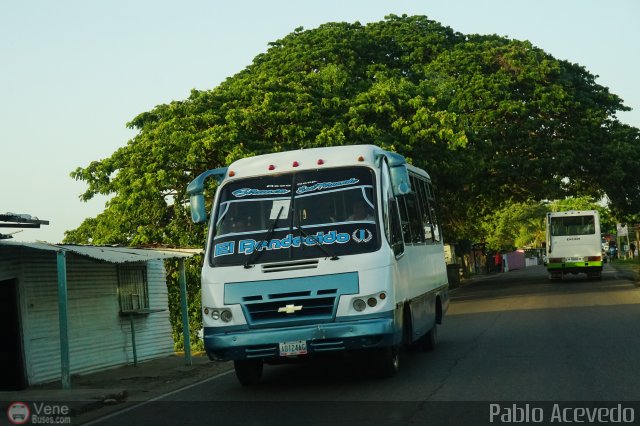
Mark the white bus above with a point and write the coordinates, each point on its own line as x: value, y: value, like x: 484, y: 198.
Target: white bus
x: 320, y: 250
x: 574, y: 243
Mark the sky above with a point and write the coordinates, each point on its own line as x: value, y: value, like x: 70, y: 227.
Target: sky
x: 74, y: 73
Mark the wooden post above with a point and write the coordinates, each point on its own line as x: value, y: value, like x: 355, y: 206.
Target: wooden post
x: 133, y: 340
x: 63, y: 320
x: 182, y: 279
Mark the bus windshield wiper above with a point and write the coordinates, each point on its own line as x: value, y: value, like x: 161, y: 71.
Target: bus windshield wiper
x: 250, y: 260
x: 324, y: 249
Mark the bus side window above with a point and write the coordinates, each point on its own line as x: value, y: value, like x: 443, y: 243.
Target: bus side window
x: 415, y: 221
x: 432, y: 212
x: 397, y: 243
x: 427, y: 226
x: 404, y: 219
x: 387, y: 197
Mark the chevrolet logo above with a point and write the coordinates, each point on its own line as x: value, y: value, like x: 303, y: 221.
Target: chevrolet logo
x: 289, y: 309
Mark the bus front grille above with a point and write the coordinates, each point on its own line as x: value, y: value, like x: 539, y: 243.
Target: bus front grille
x: 286, y: 310
x: 289, y: 266
x: 291, y: 301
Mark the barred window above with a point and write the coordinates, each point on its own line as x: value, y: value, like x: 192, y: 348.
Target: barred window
x: 133, y: 290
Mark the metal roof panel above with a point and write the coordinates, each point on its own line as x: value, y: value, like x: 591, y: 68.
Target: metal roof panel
x: 112, y: 254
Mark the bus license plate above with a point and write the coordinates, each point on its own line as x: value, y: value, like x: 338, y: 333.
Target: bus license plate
x: 293, y: 348
x: 574, y: 259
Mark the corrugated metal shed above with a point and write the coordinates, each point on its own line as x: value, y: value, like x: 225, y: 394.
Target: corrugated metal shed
x: 112, y: 254
x: 98, y: 335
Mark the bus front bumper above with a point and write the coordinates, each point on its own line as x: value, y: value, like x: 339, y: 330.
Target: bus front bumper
x: 224, y: 345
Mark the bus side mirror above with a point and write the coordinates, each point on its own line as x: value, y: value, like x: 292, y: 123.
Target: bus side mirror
x: 198, y: 208
x: 400, y: 180
x: 398, y: 173
x: 195, y: 190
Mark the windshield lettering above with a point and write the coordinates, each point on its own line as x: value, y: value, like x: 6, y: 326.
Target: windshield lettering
x: 248, y: 246
x: 293, y: 216
x: 325, y: 185
x: 243, y: 192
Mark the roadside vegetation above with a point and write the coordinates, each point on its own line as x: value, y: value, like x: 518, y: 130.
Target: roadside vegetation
x: 628, y: 264
x: 501, y: 125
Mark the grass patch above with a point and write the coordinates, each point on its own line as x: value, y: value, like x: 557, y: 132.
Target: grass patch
x: 630, y: 264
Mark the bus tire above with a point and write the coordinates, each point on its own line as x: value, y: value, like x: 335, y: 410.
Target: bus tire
x: 248, y: 371
x: 386, y: 362
x: 431, y: 338
x: 428, y: 341
x: 555, y: 276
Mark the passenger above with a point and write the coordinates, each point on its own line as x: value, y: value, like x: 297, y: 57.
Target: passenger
x: 361, y: 211
x: 235, y: 220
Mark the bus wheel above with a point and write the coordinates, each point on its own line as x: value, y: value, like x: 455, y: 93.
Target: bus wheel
x: 431, y: 338
x: 386, y: 362
x: 248, y: 371
x: 428, y: 341
x: 594, y: 275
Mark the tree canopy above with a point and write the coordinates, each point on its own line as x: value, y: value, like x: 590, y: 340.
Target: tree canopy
x: 493, y: 120
x: 499, y: 124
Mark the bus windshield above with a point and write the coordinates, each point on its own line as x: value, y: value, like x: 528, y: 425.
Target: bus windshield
x: 572, y: 225
x: 334, y: 208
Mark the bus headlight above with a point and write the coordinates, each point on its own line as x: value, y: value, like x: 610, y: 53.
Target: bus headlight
x: 359, y: 305
x: 226, y: 316
x: 221, y: 314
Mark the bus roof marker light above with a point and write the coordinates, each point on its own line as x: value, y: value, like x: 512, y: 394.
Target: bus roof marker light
x: 320, y: 161
x: 361, y: 158
x: 295, y: 164
x: 271, y: 167
x: 232, y: 173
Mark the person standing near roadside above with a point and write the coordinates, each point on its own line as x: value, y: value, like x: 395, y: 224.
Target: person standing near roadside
x: 489, y: 264
x: 498, y: 262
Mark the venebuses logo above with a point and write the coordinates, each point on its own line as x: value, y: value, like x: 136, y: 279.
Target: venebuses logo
x: 18, y: 413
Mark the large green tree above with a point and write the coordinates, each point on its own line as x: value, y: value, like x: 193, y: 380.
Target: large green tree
x: 493, y: 120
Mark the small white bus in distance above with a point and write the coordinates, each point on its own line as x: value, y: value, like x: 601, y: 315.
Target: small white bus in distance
x: 335, y: 249
x: 573, y: 243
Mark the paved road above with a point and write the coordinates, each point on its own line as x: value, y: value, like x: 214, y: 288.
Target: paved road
x: 508, y: 337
